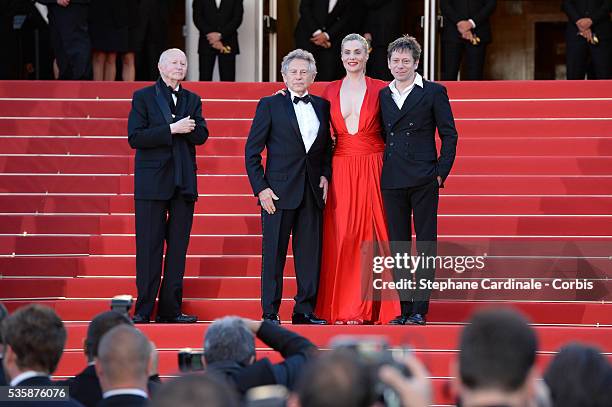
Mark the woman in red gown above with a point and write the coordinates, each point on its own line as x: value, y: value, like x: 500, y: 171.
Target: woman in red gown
x: 354, y: 213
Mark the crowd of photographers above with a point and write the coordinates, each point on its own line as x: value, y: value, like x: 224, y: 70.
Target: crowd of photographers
x: 496, y: 366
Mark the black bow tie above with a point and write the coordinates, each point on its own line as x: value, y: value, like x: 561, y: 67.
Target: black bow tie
x: 174, y: 92
x: 305, y: 99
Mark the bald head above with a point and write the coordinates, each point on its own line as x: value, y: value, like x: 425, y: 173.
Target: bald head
x: 123, y: 358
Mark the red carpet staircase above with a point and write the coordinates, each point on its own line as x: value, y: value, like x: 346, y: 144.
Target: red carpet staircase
x: 534, y: 168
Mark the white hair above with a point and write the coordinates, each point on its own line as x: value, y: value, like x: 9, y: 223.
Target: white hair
x: 299, y: 54
x: 166, y: 54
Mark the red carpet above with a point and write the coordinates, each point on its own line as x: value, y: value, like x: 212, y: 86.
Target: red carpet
x: 533, y: 171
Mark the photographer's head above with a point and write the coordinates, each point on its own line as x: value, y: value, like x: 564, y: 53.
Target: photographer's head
x: 338, y: 378
x: 229, y: 339
x: 99, y: 325
x: 496, y: 360
x: 196, y: 390
x: 124, y: 356
x: 34, y: 338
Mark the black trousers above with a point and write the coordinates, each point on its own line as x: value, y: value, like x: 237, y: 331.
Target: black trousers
x: 422, y: 203
x: 156, y: 222
x: 378, y: 66
x: 227, y: 66
x: 70, y: 39
x: 473, y: 57
x: 329, y: 65
x: 578, y: 59
x: 305, y: 223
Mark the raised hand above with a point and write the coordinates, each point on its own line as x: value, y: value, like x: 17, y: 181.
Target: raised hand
x: 183, y: 126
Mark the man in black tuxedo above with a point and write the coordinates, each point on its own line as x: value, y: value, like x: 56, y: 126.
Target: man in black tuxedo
x: 589, y: 31
x: 412, y: 109
x: 320, y: 30
x: 164, y: 126
x: 85, y: 386
x: 70, y: 37
x: 122, y: 366
x: 465, y: 34
x: 382, y: 24
x: 293, y: 127
x: 218, y: 22
x: 34, y: 338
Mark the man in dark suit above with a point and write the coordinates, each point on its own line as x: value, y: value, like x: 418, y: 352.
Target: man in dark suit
x: 122, y: 366
x: 164, y: 126
x: 70, y: 37
x: 412, y: 109
x: 382, y: 24
x: 589, y: 31
x: 292, y: 190
x: 218, y: 22
x: 465, y: 35
x: 34, y: 338
x: 85, y: 386
x: 152, y: 36
x: 320, y: 30
x: 3, y: 314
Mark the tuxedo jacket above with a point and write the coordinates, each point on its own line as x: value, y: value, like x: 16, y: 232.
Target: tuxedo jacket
x: 410, y: 157
x: 42, y: 381
x: 2, y: 375
x: 597, y: 10
x: 85, y: 387
x: 314, y: 15
x: 288, y: 165
x: 454, y: 11
x: 226, y: 19
x: 124, y: 400
x: 149, y: 133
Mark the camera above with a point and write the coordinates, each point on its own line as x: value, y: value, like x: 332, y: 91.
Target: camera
x: 375, y: 352
x: 190, y: 361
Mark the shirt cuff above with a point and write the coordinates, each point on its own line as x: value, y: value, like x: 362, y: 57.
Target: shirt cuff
x: 472, y: 22
x: 326, y: 35
x: 316, y: 33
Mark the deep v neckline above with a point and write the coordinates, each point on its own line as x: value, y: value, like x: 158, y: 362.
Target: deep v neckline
x: 360, y: 124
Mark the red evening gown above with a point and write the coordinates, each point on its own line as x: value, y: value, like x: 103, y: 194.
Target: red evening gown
x: 354, y: 215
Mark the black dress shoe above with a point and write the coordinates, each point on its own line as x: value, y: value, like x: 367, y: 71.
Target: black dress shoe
x: 179, y: 319
x: 273, y: 318
x: 416, y: 319
x: 399, y: 320
x: 307, y: 319
x: 139, y: 319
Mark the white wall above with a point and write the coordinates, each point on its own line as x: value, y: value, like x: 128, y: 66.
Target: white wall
x: 250, y: 36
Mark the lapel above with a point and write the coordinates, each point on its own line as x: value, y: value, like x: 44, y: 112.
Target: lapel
x: 293, y: 118
x: 162, y: 103
x: 316, y: 105
x: 415, y: 96
x: 181, y: 104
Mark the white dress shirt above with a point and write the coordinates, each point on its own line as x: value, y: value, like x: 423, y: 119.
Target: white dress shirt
x: 120, y: 392
x: 400, y: 97
x: 27, y: 375
x: 332, y: 4
x: 218, y: 3
x: 307, y: 120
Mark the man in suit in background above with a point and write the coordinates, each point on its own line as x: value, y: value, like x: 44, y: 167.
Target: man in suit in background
x: 465, y: 35
x: 218, y: 22
x: 321, y: 27
x: 152, y: 38
x: 382, y: 24
x: 412, y: 109
x: 293, y: 128
x: 123, y: 367
x: 34, y: 338
x: 70, y: 37
x: 85, y: 386
x: 589, y: 31
x: 164, y: 127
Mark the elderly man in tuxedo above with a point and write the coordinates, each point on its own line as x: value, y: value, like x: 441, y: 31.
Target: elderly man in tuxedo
x: 294, y: 129
x: 412, y: 109
x: 164, y: 127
